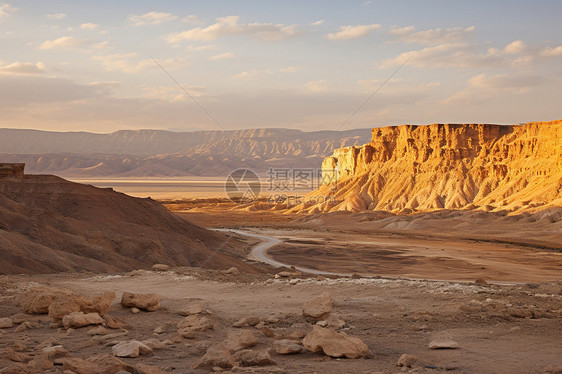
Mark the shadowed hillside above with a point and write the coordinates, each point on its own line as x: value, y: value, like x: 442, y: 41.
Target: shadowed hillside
x: 48, y: 224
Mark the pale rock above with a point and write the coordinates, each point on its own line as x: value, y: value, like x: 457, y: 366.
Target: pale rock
x: 79, y: 319
x: 334, y: 344
x: 131, y: 348
x: 407, y: 360
x: 247, y: 321
x: 147, y: 369
x: 193, y: 308
x: 443, y: 344
x: 249, y: 357
x: 319, y: 307
x: 233, y: 270
x: 148, y: 302
x: 6, y: 322
x: 217, y: 355
x: 160, y: 267
x: 192, y: 324
x: 135, y: 310
x: 154, y: 343
x: 54, y: 352
x: 101, y: 364
x: 287, y: 347
x: 237, y: 340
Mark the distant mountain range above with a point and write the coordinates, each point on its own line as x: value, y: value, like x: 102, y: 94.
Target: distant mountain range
x: 156, y: 153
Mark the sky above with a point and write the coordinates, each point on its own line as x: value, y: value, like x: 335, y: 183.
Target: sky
x: 102, y: 66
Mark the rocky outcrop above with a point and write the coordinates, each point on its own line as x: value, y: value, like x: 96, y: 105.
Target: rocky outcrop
x: 11, y: 170
x: 445, y: 166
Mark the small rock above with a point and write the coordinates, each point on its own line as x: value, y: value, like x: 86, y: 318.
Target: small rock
x: 105, y: 363
x: 192, y: 324
x: 443, y: 344
x: 135, y: 310
x: 285, y: 274
x: 147, y: 369
x: 552, y: 370
x: 160, y: 267
x: 154, y: 343
x: 161, y: 329
x: 131, y: 348
x: 99, y: 330
x: 247, y: 321
x: 20, y: 317
x: 79, y: 319
x: 233, y: 270
x: 24, y: 326
x: 113, y: 322
x: 287, y: 347
x: 216, y: 355
x: 194, y: 308
x: 248, y: 357
x: 13, y: 355
x: 319, y: 307
x: 237, y: 340
x: 480, y: 282
x: 148, y: 302
x: 55, y: 352
x: 334, y: 344
x: 6, y: 322
x: 40, y: 363
x: 406, y: 360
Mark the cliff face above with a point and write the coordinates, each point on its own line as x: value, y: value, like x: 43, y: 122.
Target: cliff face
x: 447, y: 166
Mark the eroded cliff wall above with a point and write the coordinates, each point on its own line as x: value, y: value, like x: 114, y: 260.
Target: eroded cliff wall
x: 447, y: 166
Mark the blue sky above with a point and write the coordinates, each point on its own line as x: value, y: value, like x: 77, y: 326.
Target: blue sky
x: 85, y: 65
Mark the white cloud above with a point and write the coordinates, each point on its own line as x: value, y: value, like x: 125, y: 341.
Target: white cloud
x: 193, y: 19
x: 514, y: 48
x: 129, y: 63
x: 199, y: 48
x: 22, y: 68
x: 252, y: 74
x: 459, y: 55
x: 89, y: 26
x: 317, y: 23
x: 71, y: 42
x: 290, y: 69
x: 222, y: 56
x: 151, y: 18
x: 56, y: 16
x: 352, y: 32
x: 551, y: 52
x: 433, y: 36
x: 483, y: 87
x: 6, y: 9
x: 316, y: 86
x: 64, y: 42
x: 231, y: 26
x: 171, y: 93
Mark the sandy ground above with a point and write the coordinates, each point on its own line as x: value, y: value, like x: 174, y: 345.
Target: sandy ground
x: 500, y: 329
x: 510, y: 324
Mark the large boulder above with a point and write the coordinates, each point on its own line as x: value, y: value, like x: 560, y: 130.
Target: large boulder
x: 148, y: 302
x: 319, y: 307
x: 58, y: 302
x: 79, y: 319
x: 334, y: 344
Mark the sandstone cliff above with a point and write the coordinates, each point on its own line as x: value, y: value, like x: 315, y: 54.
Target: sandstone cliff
x: 447, y: 166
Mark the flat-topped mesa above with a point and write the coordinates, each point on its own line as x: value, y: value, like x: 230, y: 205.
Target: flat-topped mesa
x: 447, y: 166
x: 11, y: 170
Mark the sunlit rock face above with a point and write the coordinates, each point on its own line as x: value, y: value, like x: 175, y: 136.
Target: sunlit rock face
x: 447, y: 166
